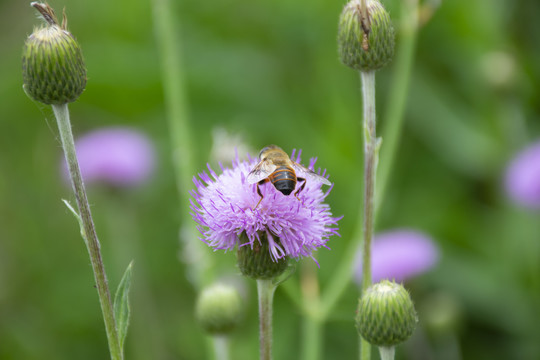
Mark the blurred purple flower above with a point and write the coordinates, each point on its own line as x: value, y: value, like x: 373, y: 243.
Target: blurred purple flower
x: 119, y: 156
x: 399, y: 255
x: 223, y: 208
x: 522, y: 181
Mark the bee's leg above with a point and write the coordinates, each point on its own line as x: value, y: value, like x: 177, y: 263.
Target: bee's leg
x: 300, y: 188
x: 259, y: 192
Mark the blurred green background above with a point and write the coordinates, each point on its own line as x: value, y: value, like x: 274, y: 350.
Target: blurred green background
x: 269, y: 71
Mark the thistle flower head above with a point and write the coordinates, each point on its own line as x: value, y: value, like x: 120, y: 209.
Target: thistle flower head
x: 399, y: 255
x: 386, y: 314
x: 52, y: 63
x: 224, y: 206
x: 365, y: 36
x: 522, y: 180
x: 118, y: 156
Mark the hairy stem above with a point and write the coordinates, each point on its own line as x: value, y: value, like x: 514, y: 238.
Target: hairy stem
x: 371, y: 154
x: 92, y: 243
x: 392, y: 129
x: 265, y: 290
x: 387, y: 353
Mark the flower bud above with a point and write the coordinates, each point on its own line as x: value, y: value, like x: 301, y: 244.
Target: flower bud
x: 386, y: 314
x: 365, y: 41
x: 256, y: 262
x: 219, y: 309
x: 52, y: 62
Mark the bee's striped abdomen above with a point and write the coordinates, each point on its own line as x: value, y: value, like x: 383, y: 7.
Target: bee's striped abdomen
x: 284, y: 179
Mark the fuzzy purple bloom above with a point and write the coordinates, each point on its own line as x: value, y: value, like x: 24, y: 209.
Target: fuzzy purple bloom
x: 522, y: 180
x: 119, y: 156
x: 399, y: 255
x: 223, y: 208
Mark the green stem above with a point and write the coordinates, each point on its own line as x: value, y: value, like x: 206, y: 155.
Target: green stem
x: 371, y: 155
x: 92, y: 243
x: 265, y: 290
x: 387, y: 353
x: 393, y: 120
x: 371, y: 149
x: 312, y: 324
x: 221, y: 347
x: 312, y: 329
x: 176, y: 103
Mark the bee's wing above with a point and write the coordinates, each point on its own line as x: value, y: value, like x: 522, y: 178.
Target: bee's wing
x: 261, y: 171
x: 310, y: 174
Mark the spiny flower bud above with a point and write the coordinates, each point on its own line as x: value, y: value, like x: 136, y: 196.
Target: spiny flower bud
x: 52, y: 62
x: 257, y: 262
x: 219, y: 309
x: 386, y: 314
x: 365, y: 36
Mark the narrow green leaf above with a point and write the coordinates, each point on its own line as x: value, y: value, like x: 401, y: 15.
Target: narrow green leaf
x: 121, y: 305
x: 78, y: 217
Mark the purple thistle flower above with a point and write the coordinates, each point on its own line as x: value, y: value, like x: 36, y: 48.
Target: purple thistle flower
x: 223, y: 208
x: 119, y: 156
x: 522, y: 180
x: 399, y: 255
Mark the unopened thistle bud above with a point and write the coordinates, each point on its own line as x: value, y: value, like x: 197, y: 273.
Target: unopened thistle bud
x: 257, y: 262
x: 52, y: 62
x: 219, y: 309
x: 365, y: 35
x: 386, y: 314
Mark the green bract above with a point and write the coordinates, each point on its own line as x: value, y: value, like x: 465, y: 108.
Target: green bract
x: 386, y: 314
x: 369, y: 44
x: 52, y: 63
x: 257, y: 263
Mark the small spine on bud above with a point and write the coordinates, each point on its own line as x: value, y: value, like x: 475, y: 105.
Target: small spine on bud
x: 365, y: 36
x: 219, y: 309
x: 386, y: 314
x: 257, y: 262
x: 53, y: 68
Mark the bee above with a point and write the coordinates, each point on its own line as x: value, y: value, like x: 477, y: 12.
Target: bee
x: 276, y: 166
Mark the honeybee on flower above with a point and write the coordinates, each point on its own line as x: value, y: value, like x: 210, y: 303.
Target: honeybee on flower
x: 226, y: 209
